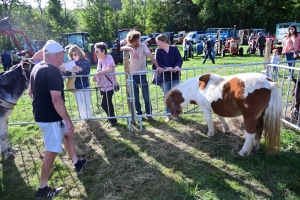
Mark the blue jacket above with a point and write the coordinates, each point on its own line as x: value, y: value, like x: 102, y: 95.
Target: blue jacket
x: 171, y: 59
x: 86, y: 68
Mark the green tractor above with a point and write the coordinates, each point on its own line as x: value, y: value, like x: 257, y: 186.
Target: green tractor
x: 80, y: 39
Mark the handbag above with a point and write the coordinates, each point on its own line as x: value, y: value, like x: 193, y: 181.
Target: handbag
x: 70, y: 82
x: 297, y: 55
x: 116, y: 87
x: 157, y: 78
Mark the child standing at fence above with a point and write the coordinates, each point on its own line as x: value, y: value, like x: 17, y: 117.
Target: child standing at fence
x: 274, y: 59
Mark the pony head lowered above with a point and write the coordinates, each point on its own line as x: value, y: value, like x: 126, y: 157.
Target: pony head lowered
x: 252, y: 95
x: 13, y: 84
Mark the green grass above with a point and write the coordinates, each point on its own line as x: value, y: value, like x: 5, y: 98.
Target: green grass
x: 163, y: 161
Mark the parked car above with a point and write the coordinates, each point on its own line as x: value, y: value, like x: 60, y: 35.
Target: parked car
x: 195, y: 36
x: 178, y: 38
x: 151, y: 40
x: 143, y: 38
x: 170, y: 36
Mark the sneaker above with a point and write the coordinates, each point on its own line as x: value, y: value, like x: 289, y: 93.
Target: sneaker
x: 80, y: 165
x: 168, y: 118
x: 8, y: 155
x: 48, y: 192
x: 13, y: 150
x: 112, y: 124
x: 150, y: 119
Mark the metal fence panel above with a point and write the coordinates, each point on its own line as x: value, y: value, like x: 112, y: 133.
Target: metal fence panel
x: 22, y: 113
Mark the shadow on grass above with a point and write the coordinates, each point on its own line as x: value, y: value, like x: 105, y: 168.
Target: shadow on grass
x: 201, y: 171
x: 121, y: 171
x: 13, y: 185
x: 164, y: 161
x: 280, y: 169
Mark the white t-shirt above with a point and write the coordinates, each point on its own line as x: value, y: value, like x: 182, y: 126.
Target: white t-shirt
x: 139, y: 64
x: 185, y: 46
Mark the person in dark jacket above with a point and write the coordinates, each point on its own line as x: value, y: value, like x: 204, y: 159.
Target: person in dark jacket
x: 208, y: 51
x: 261, y: 43
x: 6, y: 60
x: 168, y: 58
x: 82, y: 85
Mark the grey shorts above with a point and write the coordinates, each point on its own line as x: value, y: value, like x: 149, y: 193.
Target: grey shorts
x: 54, y: 133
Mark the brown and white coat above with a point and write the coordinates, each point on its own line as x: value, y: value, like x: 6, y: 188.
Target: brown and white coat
x: 251, y: 95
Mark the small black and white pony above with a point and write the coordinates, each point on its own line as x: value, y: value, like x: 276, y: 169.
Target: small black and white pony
x: 13, y: 84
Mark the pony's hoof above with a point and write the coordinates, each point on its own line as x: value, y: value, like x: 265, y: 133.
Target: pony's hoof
x: 210, y: 134
x: 243, y: 153
x: 175, y: 118
x: 255, y: 147
x: 227, y: 132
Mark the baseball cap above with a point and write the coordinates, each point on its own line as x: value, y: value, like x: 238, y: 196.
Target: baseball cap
x: 52, y: 47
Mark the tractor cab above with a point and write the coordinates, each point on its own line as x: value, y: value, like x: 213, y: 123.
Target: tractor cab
x: 36, y: 44
x: 81, y: 40
x: 120, y: 36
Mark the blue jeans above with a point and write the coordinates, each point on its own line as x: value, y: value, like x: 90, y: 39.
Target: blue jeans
x: 142, y: 81
x: 166, y: 86
x: 208, y: 54
x: 290, y: 57
x: 185, y: 55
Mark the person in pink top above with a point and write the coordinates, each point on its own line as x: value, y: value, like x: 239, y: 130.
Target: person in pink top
x: 106, y: 81
x: 291, y: 44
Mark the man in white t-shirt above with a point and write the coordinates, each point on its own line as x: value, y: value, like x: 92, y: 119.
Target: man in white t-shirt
x: 185, y: 46
x: 138, y: 55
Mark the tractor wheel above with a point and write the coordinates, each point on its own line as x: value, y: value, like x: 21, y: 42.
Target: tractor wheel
x: 241, y: 51
x: 222, y: 53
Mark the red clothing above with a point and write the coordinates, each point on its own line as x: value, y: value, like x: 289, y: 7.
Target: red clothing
x: 291, y: 44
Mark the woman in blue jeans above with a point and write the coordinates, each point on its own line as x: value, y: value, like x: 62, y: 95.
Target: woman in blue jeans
x: 168, y: 58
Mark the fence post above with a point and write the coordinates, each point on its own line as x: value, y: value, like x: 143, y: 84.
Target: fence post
x: 267, y: 53
x: 129, y: 92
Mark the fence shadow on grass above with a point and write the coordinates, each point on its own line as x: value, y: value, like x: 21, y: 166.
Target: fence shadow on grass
x: 192, y: 167
x: 119, y: 170
x: 13, y: 185
x: 281, y: 168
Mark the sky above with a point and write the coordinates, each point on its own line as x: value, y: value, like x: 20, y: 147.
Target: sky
x: 71, y: 4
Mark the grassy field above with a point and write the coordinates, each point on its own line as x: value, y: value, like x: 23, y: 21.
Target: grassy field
x: 164, y: 161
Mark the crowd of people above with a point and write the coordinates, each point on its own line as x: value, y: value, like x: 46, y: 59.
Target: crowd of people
x: 46, y: 89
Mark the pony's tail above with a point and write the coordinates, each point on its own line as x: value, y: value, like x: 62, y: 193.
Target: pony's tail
x: 272, y: 120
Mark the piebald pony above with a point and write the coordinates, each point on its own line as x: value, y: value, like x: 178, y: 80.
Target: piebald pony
x: 252, y: 95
